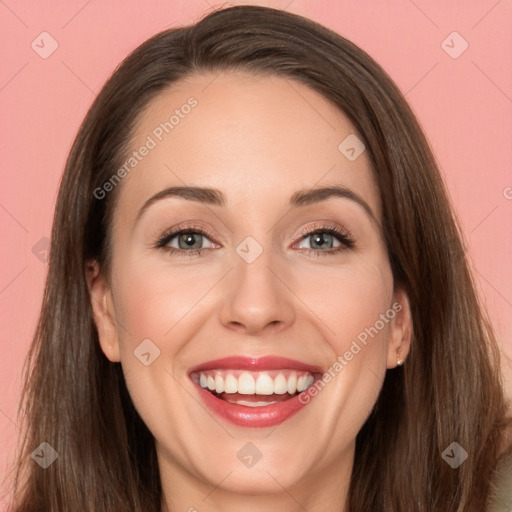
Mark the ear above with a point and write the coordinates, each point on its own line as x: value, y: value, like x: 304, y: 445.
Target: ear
x: 401, y: 329
x: 103, y: 311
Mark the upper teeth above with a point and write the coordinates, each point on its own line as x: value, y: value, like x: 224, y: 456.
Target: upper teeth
x: 250, y: 383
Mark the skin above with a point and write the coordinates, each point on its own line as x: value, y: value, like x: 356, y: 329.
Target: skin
x: 258, y: 140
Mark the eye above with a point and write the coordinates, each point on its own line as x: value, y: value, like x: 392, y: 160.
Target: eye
x: 186, y: 241
x: 326, y: 239
x: 318, y: 240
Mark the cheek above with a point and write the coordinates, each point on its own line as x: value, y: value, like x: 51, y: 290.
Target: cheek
x: 154, y: 298
x: 351, y: 302
x: 156, y: 307
x: 354, y: 310
x: 153, y: 306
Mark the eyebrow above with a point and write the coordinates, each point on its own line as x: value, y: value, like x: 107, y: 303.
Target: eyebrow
x: 315, y: 195
x: 300, y: 198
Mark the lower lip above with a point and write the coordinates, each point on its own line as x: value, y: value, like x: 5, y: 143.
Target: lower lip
x: 253, y: 417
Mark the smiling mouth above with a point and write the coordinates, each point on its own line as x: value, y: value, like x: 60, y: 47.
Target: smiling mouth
x: 254, y: 389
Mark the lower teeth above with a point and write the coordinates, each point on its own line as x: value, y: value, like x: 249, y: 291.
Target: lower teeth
x: 249, y: 403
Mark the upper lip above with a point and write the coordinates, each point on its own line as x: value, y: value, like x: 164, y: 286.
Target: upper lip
x: 255, y: 364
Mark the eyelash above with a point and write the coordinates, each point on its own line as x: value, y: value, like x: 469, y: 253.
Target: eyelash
x: 343, y: 236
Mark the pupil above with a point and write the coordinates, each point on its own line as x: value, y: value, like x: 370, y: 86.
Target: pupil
x: 321, y: 241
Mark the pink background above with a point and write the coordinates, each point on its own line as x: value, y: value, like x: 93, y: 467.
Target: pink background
x: 464, y: 105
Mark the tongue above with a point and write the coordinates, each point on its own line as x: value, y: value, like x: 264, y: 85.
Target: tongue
x: 235, y: 397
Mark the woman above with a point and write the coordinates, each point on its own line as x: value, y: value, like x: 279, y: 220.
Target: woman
x: 257, y: 295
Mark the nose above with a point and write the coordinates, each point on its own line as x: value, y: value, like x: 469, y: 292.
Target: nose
x: 257, y: 297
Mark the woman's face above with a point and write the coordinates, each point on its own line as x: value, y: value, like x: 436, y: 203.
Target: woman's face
x: 266, y: 266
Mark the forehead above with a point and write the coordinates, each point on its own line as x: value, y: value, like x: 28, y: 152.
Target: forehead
x: 257, y: 137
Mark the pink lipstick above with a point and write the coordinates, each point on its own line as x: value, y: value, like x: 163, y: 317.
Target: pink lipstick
x: 254, y: 392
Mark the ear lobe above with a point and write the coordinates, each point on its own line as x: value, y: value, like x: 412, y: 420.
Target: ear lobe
x: 400, y: 335
x: 103, y: 311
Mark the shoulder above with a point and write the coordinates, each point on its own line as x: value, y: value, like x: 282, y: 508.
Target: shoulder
x: 500, y: 498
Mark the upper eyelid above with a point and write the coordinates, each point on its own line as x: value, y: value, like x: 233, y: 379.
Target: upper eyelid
x: 173, y: 233
x: 325, y: 226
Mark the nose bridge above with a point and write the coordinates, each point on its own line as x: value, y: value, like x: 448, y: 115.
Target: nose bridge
x: 256, y: 297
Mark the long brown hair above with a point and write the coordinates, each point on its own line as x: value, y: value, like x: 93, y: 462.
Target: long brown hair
x: 449, y: 389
